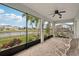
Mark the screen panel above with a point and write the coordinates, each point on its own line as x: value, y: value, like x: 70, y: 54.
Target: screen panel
x: 33, y: 28
x: 12, y: 28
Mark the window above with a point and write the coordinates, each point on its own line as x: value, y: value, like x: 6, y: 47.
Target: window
x: 12, y: 28
x: 33, y: 28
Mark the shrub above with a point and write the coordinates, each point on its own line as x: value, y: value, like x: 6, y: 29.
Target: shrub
x: 15, y: 41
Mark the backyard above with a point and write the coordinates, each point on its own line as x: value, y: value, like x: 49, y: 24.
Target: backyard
x: 12, y: 41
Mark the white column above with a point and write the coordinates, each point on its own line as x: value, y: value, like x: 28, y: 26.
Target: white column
x: 42, y: 34
x: 53, y: 25
x: 76, y: 28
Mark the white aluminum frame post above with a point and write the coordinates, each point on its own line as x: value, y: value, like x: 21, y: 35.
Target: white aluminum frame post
x: 42, y: 34
x: 53, y: 26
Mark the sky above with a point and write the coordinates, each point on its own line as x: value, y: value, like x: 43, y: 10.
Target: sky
x: 9, y: 16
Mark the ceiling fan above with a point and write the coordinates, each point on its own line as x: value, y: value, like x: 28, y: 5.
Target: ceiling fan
x: 58, y: 12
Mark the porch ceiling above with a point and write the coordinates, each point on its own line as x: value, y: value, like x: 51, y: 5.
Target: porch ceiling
x: 46, y: 8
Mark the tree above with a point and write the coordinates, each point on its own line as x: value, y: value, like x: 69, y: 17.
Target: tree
x: 33, y: 21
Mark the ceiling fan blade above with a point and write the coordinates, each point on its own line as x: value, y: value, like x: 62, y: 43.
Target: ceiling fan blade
x: 60, y: 15
x: 62, y: 11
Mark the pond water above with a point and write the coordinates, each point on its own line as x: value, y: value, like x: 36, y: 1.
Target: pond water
x: 6, y: 34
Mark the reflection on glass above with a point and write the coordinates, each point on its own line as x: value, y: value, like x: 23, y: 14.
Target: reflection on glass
x: 33, y: 28
x: 12, y: 28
